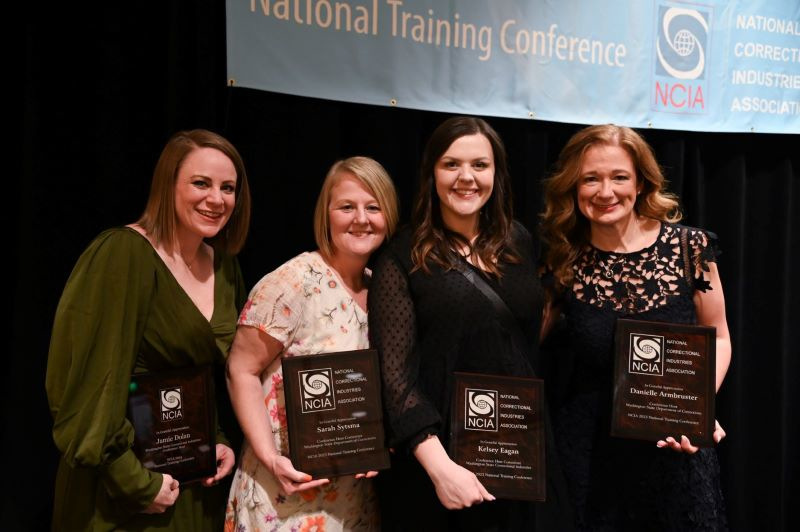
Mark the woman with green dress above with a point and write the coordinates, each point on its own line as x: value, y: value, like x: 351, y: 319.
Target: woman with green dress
x: 161, y: 293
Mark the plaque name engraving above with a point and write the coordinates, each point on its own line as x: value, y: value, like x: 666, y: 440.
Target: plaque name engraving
x: 664, y: 381
x: 173, y: 419
x: 497, y: 432
x: 334, y: 413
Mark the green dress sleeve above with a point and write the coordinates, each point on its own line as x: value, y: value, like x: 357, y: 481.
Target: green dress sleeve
x: 96, y: 336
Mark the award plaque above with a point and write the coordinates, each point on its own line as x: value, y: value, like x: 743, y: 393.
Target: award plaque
x: 497, y: 432
x: 334, y: 413
x: 664, y: 381
x: 172, y: 413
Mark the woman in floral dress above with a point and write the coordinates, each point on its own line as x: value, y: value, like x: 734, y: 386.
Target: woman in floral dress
x: 315, y: 303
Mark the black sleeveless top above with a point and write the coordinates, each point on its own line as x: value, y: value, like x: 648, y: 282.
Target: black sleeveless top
x: 618, y: 484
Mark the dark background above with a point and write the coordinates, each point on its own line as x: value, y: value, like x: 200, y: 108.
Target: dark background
x: 101, y: 89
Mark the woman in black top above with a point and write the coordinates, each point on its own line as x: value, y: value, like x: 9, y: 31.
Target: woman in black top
x: 615, y: 250
x: 427, y: 321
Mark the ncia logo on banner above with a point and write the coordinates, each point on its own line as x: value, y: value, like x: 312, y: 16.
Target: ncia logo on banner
x: 680, y: 60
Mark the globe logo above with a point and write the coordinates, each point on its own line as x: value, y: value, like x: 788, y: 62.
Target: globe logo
x: 683, y: 43
x: 646, y: 354
x: 680, y: 47
x: 646, y: 347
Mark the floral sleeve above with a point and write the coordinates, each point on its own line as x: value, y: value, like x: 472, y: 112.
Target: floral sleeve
x: 275, y: 304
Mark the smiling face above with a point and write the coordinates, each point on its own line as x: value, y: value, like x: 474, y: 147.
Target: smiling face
x: 356, y: 221
x: 464, y: 181
x: 607, y: 186
x: 205, y: 192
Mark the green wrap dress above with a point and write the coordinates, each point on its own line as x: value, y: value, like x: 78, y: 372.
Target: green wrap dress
x: 121, y: 312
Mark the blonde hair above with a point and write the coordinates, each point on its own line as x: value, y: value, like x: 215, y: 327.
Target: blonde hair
x: 158, y: 219
x: 374, y: 177
x: 564, y: 230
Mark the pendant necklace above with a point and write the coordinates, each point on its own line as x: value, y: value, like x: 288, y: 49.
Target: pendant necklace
x: 188, y: 264
x: 608, y: 268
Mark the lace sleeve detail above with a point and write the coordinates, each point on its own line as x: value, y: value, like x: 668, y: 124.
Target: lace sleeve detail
x: 275, y: 304
x: 411, y: 416
x: 704, y: 248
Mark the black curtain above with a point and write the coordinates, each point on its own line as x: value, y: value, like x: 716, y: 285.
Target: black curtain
x: 103, y: 87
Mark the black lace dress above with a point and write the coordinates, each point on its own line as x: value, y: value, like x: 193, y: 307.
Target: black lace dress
x: 619, y: 484
x: 425, y: 327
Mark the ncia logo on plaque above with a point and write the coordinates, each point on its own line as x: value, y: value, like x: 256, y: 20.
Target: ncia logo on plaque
x: 316, y: 390
x: 481, y: 406
x: 682, y: 45
x: 646, y: 354
x: 171, y: 404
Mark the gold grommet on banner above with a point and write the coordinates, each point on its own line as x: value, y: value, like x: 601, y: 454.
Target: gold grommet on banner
x: 231, y: 82
x: 393, y: 102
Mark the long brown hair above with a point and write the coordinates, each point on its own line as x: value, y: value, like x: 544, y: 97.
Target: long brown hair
x: 565, y: 231
x: 158, y: 218
x: 433, y: 242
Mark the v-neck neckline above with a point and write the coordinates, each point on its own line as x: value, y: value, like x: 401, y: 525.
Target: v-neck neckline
x: 179, y: 285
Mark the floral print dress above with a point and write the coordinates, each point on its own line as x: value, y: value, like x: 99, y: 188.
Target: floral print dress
x: 303, y: 305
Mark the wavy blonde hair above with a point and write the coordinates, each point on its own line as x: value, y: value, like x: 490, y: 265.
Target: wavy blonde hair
x: 564, y: 230
x: 375, y: 179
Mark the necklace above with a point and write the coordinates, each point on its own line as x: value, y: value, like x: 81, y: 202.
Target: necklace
x: 608, y: 267
x: 189, y: 264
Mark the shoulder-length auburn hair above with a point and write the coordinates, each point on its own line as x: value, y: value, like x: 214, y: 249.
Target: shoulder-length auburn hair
x: 432, y: 241
x: 565, y: 231
x: 158, y: 219
x: 374, y: 177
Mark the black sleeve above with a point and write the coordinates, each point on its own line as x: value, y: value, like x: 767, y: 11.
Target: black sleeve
x: 411, y: 416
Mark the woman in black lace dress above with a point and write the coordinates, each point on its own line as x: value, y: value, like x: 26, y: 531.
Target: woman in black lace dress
x: 614, y: 250
x: 427, y: 321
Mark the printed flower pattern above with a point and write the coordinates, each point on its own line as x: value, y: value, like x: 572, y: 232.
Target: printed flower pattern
x: 314, y: 524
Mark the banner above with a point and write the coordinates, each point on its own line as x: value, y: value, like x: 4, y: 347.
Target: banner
x: 713, y: 65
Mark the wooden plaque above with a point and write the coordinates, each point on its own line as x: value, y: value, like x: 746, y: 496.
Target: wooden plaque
x: 497, y: 432
x: 172, y: 413
x: 664, y: 381
x: 334, y: 413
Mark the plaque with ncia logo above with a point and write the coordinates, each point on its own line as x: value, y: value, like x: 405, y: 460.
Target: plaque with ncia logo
x: 173, y: 415
x: 334, y: 413
x: 664, y: 381
x: 497, y: 432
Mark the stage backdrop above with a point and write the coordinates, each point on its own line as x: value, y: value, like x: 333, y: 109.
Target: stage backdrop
x: 713, y: 65
x: 99, y: 97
